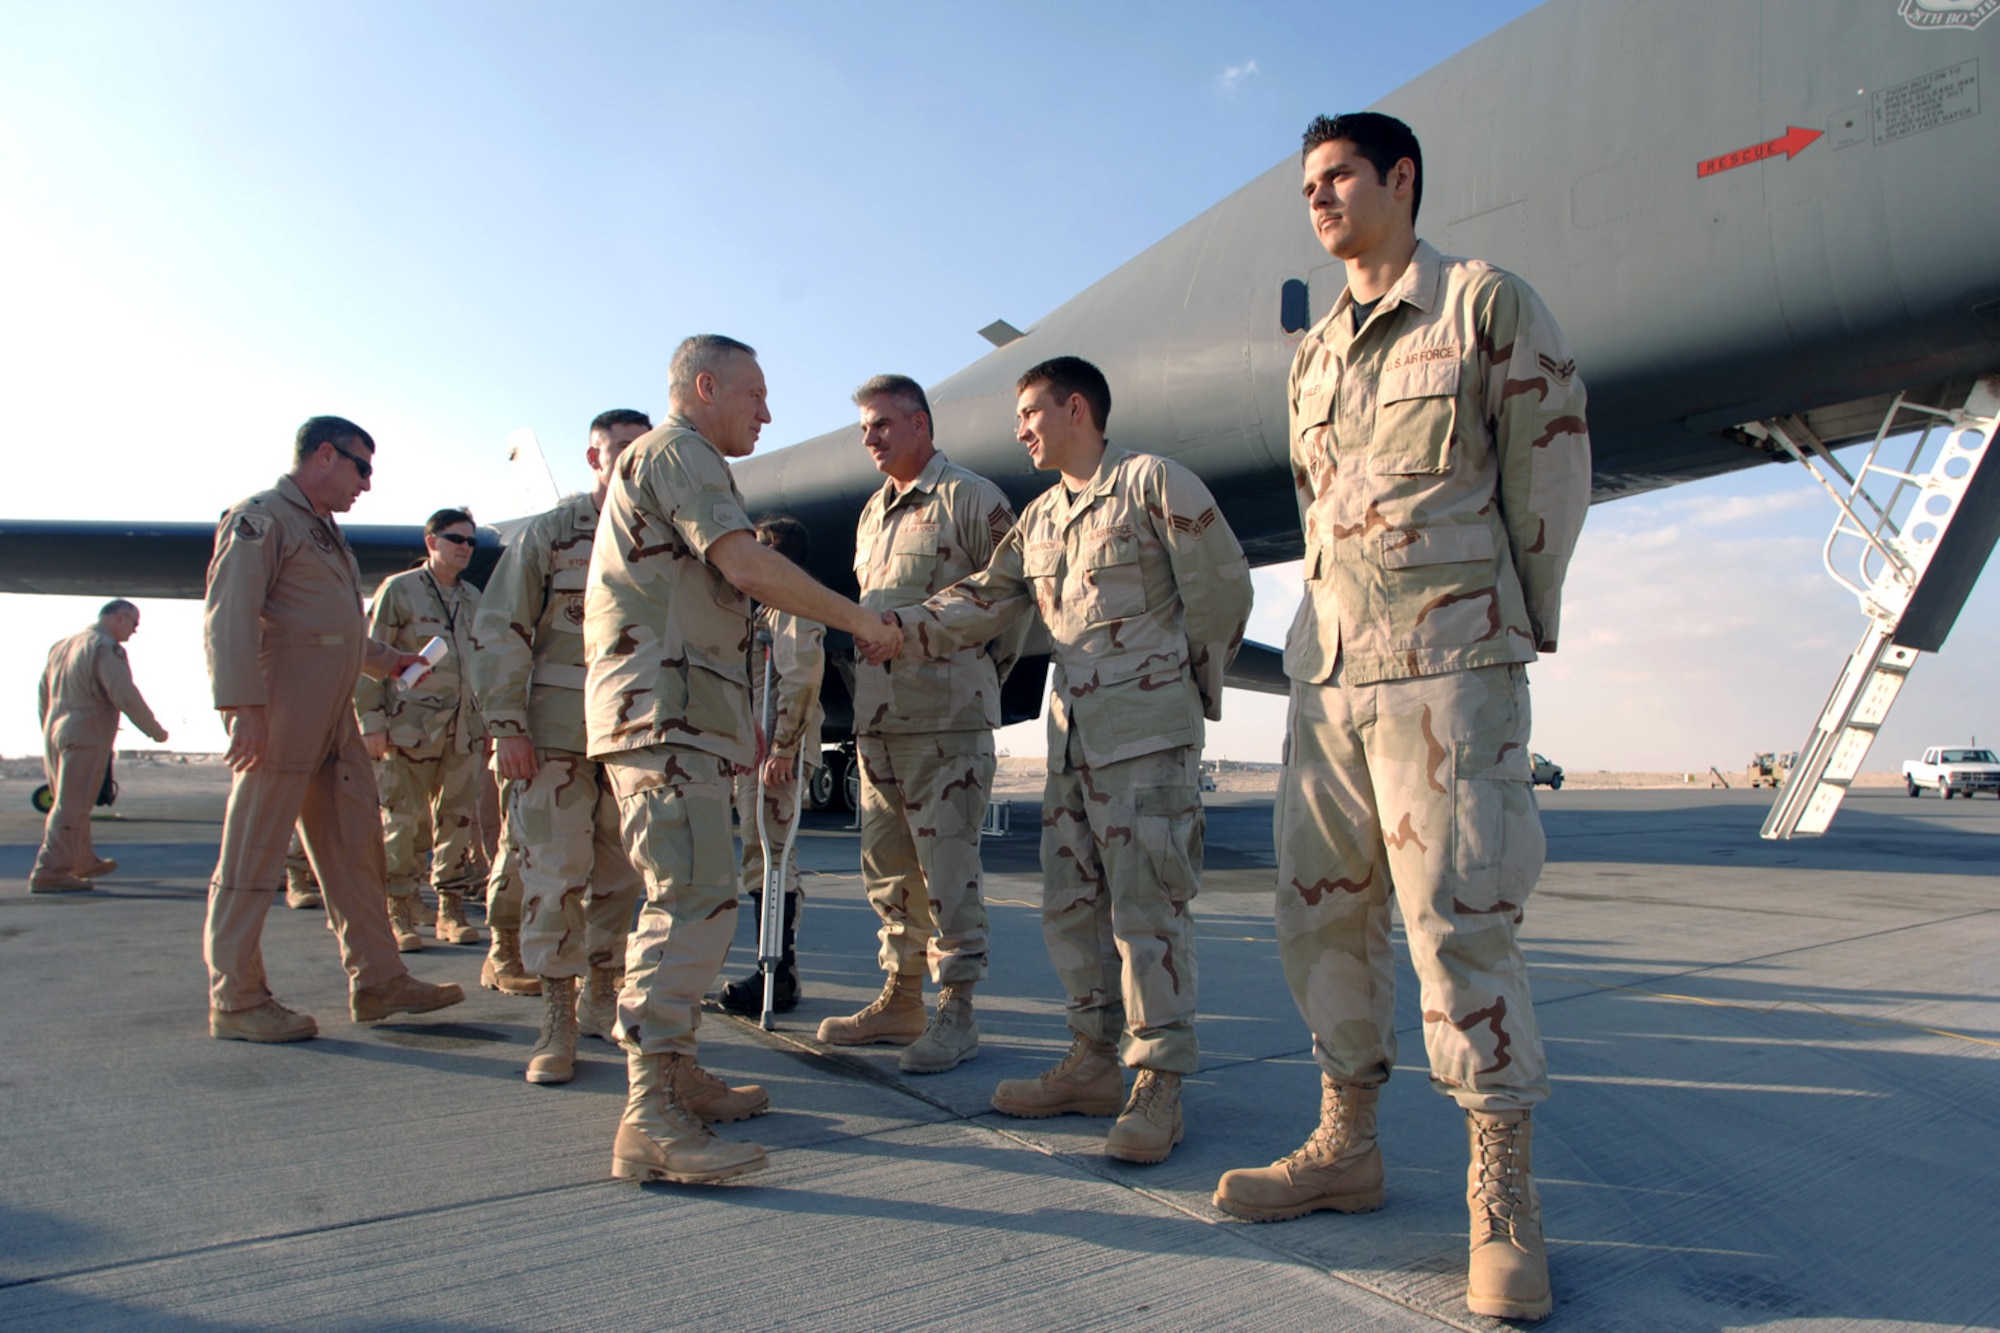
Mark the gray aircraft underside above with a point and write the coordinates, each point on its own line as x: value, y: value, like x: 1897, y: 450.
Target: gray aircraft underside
x: 1736, y: 210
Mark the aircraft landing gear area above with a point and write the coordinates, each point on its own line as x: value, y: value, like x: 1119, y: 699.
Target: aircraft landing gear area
x: 44, y: 800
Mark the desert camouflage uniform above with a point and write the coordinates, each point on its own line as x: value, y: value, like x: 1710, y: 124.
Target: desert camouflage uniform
x: 798, y: 661
x: 667, y: 703
x: 924, y: 729
x: 576, y: 893
x: 86, y: 685
x: 503, y: 882
x: 1145, y: 592
x: 1443, y: 468
x: 429, y: 781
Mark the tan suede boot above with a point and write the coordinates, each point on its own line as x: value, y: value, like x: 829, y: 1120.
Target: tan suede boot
x: 403, y: 920
x: 98, y: 869
x: 451, y: 926
x: 1508, y: 1277
x: 896, y: 1018
x: 1086, y: 1081
x: 660, y: 1139
x: 1150, y: 1125
x: 269, y: 1021
x: 421, y: 910
x: 952, y: 1037
x: 402, y: 995
x: 502, y: 970
x: 1338, y: 1168
x: 710, y: 1098
x: 597, y: 1003
x: 554, y: 1058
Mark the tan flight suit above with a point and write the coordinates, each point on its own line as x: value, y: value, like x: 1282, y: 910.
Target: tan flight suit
x: 1443, y: 469
x: 86, y: 685
x: 798, y: 662
x: 1145, y: 592
x: 576, y: 892
x: 283, y: 627
x: 667, y: 702
x: 429, y: 782
x: 924, y: 729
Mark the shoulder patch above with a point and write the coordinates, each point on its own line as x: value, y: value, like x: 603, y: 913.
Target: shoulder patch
x: 250, y: 527
x: 730, y: 515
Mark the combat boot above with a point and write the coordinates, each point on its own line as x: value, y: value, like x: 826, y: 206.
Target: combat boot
x: 451, y: 926
x: 421, y: 910
x: 660, y: 1139
x: 597, y: 1002
x: 300, y: 894
x: 99, y: 868
x: 896, y: 1018
x: 710, y: 1098
x: 269, y: 1021
x: 745, y: 995
x: 403, y: 995
x: 1338, y: 1168
x: 403, y: 921
x: 952, y: 1037
x: 1508, y: 1277
x: 502, y: 970
x: 59, y: 884
x: 554, y: 1058
x: 1150, y: 1125
x: 1086, y: 1081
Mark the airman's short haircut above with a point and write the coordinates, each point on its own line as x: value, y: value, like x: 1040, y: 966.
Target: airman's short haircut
x: 114, y: 606
x: 702, y: 354
x: 903, y: 389
x: 602, y: 423
x: 787, y: 536
x: 1070, y: 375
x: 327, y: 430
x: 448, y: 518
x: 1382, y: 140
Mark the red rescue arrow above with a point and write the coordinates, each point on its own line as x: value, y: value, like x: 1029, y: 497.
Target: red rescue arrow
x: 1789, y: 143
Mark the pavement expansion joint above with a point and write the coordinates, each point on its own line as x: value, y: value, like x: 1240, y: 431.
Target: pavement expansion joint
x: 1099, y: 1168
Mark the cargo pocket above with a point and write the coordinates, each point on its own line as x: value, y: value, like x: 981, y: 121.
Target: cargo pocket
x: 1497, y: 841
x: 1170, y: 825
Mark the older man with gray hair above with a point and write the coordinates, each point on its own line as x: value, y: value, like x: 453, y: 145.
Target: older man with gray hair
x: 85, y: 686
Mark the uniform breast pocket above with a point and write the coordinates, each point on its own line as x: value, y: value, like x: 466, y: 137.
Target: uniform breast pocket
x: 1416, y: 412
x: 1315, y: 409
x: 1042, y: 564
x: 566, y: 598
x: 1114, y: 582
x: 913, y: 556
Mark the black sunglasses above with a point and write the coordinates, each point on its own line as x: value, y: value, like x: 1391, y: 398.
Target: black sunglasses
x: 452, y: 537
x: 361, y: 465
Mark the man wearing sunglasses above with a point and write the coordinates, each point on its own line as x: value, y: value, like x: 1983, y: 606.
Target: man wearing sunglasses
x: 286, y: 641
x: 428, y: 740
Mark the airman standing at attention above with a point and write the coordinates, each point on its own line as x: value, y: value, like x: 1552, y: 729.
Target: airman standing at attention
x: 577, y: 892
x: 1443, y: 470
x: 1145, y: 591
x: 667, y: 637
x: 428, y: 740
x: 85, y: 686
x: 924, y: 736
x: 286, y: 639
x: 791, y: 752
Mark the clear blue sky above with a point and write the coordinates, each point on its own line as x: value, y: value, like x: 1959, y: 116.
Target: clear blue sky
x: 448, y: 221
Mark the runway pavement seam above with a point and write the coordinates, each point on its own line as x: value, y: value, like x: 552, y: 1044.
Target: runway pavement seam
x: 1248, y: 1234
x: 299, y: 1233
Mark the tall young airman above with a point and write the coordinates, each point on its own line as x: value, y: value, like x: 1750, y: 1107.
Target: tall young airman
x: 1443, y: 469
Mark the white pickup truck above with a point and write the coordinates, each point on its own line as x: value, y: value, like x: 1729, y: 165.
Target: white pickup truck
x: 1951, y: 770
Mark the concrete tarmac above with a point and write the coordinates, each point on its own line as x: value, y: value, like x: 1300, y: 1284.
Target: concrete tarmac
x: 1777, y: 1106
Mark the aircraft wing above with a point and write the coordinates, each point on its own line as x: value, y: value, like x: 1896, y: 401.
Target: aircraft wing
x: 109, y: 559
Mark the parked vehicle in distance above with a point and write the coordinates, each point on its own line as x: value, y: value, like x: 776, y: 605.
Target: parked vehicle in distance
x: 1546, y: 774
x: 1769, y: 769
x: 1953, y: 770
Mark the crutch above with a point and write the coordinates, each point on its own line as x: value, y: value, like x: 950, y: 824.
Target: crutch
x: 771, y: 920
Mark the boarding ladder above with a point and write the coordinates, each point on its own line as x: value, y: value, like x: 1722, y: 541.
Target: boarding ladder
x: 1909, y: 545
